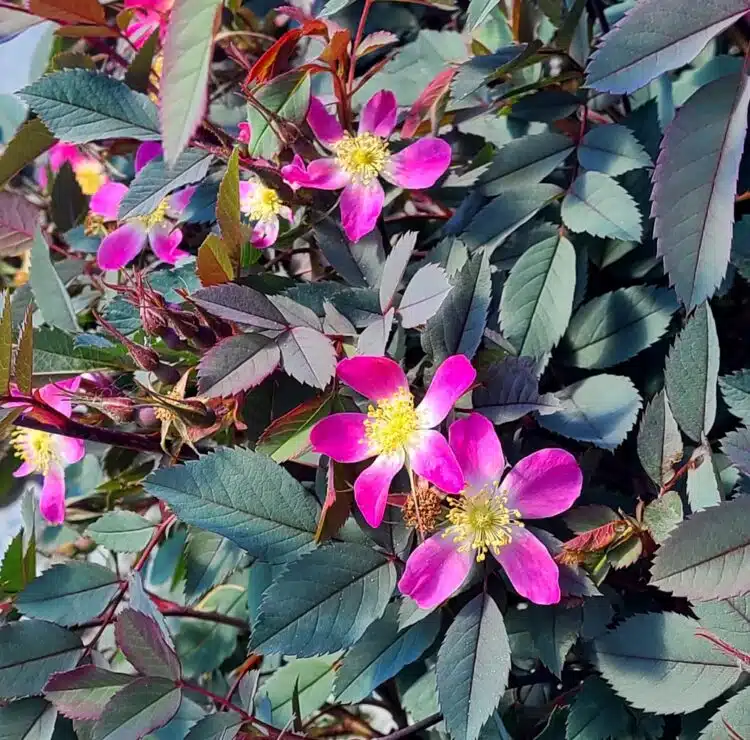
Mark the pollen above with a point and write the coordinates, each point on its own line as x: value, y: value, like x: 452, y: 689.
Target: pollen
x: 35, y: 448
x: 390, y: 425
x: 363, y: 157
x: 89, y: 176
x: 156, y: 216
x: 263, y: 204
x: 481, y: 522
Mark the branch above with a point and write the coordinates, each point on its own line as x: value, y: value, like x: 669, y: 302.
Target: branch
x: 423, y: 724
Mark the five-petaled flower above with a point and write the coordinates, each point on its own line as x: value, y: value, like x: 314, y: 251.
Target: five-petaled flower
x: 48, y: 454
x: 127, y: 241
x: 486, y: 518
x: 263, y: 205
x: 394, y: 431
x: 359, y: 160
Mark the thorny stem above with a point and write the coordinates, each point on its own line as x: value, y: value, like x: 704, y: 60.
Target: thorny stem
x: 682, y: 470
x: 356, y: 43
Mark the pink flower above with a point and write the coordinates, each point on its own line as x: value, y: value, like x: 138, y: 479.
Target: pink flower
x: 393, y: 431
x: 263, y: 205
x: 48, y: 454
x: 245, y: 132
x: 148, y: 16
x: 486, y: 517
x: 126, y: 242
x: 359, y: 160
x: 90, y: 173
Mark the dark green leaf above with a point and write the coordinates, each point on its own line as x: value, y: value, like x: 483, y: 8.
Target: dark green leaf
x: 613, y: 150
x: 68, y: 203
x: 735, y: 389
x: 242, y: 305
x: 29, y: 142
x: 121, y: 531
x: 728, y: 619
x: 736, y: 446
x: 732, y: 720
x: 84, y: 692
x: 209, y: 559
x: 659, y: 440
x: 49, y: 292
x: 219, y: 726
x: 597, y: 713
x: 338, y: 251
x: 30, y: 719
x: 477, y: 12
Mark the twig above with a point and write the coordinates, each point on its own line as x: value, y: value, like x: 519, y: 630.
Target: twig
x: 423, y: 724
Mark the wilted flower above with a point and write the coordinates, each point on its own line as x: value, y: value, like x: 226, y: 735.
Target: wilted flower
x: 359, y: 160
x: 89, y: 171
x: 263, y: 205
x: 394, y: 431
x: 486, y: 518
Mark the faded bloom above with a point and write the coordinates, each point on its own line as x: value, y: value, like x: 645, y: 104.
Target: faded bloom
x: 48, y: 454
x: 125, y: 243
x: 89, y: 171
x: 486, y: 518
x: 394, y: 431
x: 361, y: 159
x: 263, y: 205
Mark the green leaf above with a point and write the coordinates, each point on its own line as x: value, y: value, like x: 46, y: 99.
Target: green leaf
x: 68, y: 204
x: 596, y: 713
x: 219, y: 726
x: 183, y: 90
x: 458, y: 325
x: 121, y: 531
x: 612, y: 149
x: 537, y: 300
x: 381, y: 653
x: 29, y: 142
x: 68, y: 594
x: 228, y: 209
x: 616, y: 326
x: 423, y: 296
x: 728, y: 619
x: 49, y: 292
x: 601, y: 410
x: 704, y: 558
x: 732, y: 720
x: 600, y: 206
x: 702, y: 482
x: 694, y: 187
x: 30, y: 719
x: 141, y: 707
x: 139, y: 71
x: 338, y: 250
x: 17, y: 569
x: 243, y: 496
x: 659, y: 440
x: 735, y: 389
x: 656, y: 662
x: 81, y: 106
x: 157, y: 180
x: 18, y: 222
x: 313, y: 679
x: 477, y: 12
x: 30, y: 651
x: 286, y: 98
x: 84, y: 692
x: 209, y: 559
x: 472, y: 667
x: 691, y: 373
x: 662, y: 515
x: 141, y: 641
x: 325, y: 603
x: 6, y: 343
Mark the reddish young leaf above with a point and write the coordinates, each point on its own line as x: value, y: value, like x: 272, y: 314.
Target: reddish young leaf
x: 140, y: 639
x: 213, y: 264
x: 84, y: 692
x: 69, y: 11
x: 597, y: 539
x: 427, y: 102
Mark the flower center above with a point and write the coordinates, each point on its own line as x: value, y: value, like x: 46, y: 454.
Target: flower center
x: 481, y: 522
x: 363, y: 157
x: 90, y: 176
x: 35, y: 448
x: 263, y: 204
x: 156, y: 216
x: 422, y: 509
x: 389, y: 426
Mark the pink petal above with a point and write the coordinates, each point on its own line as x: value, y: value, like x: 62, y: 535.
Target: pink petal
x: 52, y: 503
x: 435, y: 571
x: 245, y: 132
x: 432, y: 458
x: 361, y: 204
x: 180, y: 200
x: 105, y: 202
x: 377, y: 378
x: 379, y: 114
x: 23, y: 470
x: 530, y: 567
x: 477, y: 449
x: 322, y: 174
x: 248, y: 188
x: 165, y: 244
x: 121, y: 246
x: 146, y: 152
x: 286, y: 213
x: 451, y: 380
x: 420, y: 165
x: 71, y: 450
x: 63, y: 152
x: 342, y: 437
x: 325, y: 126
x: 543, y: 484
x: 372, y: 486
x: 265, y: 233
x: 58, y: 395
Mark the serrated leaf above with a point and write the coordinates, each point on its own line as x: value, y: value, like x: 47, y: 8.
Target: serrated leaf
x: 157, y: 180
x: 84, y: 692
x: 394, y: 268
x: 732, y: 720
x: 30, y: 652
x: 662, y: 515
x: 325, y: 603
x: 242, y: 305
x: 728, y: 619
x: 736, y: 446
x: 601, y: 410
x: 30, y: 719
x: 472, y: 667
x: 140, y: 639
x: 337, y: 249
x: 29, y: 142
x: 477, y: 12
x: 537, y: 300
x: 121, y: 531
x: 69, y: 593
x: 49, y: 292
x: 381, y: 653
x: 209, y: 559
x: 656, y: 662
x: 598, y: 205
x: 596, y: 713
x: 79, y: 106
x: 308, y: 356
x: 18, y: 222
x: 704, y: 558
x: 423, y: 296
x: 458, y: 325
x: 612, y: 149
x: 228, y: 210
x: 659, y: 440
x: 18, y: 569
x: 236, y: 364
x: 183, y: 90
x: 628, y: 58
x: 694, y: 187
x: 276, y: 523
x: 691, y: 373
x: 219, y: 726
x: 735, y: 389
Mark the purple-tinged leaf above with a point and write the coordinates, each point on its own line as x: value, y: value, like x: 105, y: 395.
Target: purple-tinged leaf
x: 654, y: 37
x: 242, y: 305
x: 374, y: 338
x: 295, y: 314
x: 30, y: 719
x: 308, y: 356
x: 84, y: 692
x: 694, y: 186
x: 736, y: 446
x: 423, y: 295
x: 335, y: 324
x: 236, y: 364
x: 18, y: 220
x: 394, y: 268
x: 141, y: 641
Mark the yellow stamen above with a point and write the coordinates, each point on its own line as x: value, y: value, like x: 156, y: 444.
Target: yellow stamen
x: 156, y: 216
x: 94, y: 225
x: 481, y: 522
x: 262, y: 205
x: 90, y: 176
x: 363, y: 156
x: 36, y: 448
x: 391, y: 424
